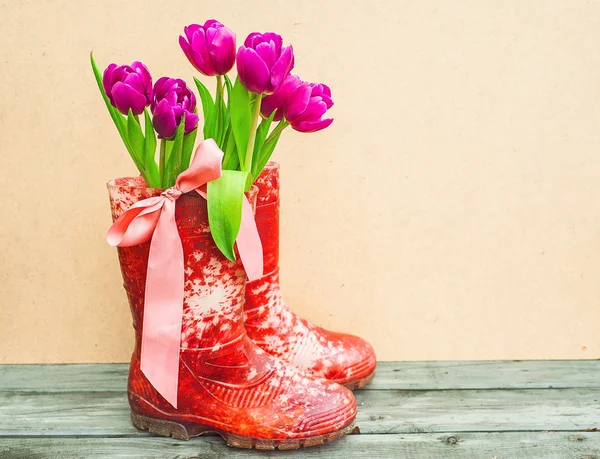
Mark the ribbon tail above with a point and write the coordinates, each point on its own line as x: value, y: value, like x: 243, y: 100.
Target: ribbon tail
x: 163, y: 308
x: 249, y: 244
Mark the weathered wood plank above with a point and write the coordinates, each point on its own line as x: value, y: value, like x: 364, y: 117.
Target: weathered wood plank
x: 531, y: 445
x: 537, y: 374
x: 390, y: 411
x: 102, y: 377
x: 380, y: 411
x: 390, y: 375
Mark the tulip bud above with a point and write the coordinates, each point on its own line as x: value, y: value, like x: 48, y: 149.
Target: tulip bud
x: 172, y: 100
x: 263, y: 63
x: 306, y: 106
x: 210, y: 48
x: 128, y: 87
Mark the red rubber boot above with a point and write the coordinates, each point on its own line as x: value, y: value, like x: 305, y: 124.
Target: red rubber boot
x: 226, y: 383
x: 338, y: 357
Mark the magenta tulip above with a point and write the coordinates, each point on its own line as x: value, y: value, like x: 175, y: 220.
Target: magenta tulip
x: 172, y: 100
x: 210, y: 48
x: 263, y: 63
x: 306, y: 106
x: 302, y: 104
x: 128, y: 87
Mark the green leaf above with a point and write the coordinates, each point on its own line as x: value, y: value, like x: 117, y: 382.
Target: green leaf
x: 188, y: 148
x: 227, y: 123
x: 168, y: 148
x: 241, y: 117
x: 265, y: 155
x: 230, y: 158
x: 223, y: 123
x: 208, y: 108
x: 219, y: 120
x: 261, y: 135
x: 174, y: 158
x: 119, y: 120
x: 134, y: 134
x: 225, y: 209
x: 227, y: 130
x: 229, y: 87
x: 150, y: 152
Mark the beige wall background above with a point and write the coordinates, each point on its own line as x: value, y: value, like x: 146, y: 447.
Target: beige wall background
x: 450, y: 212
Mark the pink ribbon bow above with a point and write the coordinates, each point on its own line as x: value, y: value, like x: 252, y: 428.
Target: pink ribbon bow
x: 154, y: 219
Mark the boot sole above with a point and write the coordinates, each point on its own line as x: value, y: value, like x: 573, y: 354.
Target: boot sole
x: 185, y: 431
x: 352, y: 385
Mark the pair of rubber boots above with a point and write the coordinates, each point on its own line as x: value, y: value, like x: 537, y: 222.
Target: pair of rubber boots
x: 250, y: 369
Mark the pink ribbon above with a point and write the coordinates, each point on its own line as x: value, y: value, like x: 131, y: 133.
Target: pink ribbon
x: 154, y: 219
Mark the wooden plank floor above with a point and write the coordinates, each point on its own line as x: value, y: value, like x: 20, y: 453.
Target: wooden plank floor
x: 413, y: 410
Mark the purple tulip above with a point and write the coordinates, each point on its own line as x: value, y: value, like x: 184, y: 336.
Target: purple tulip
x: 263, y: 63
x: 306, y: 106
x: 128, y: 87
x: 172, y: 100
x: 210, y: 48
x: 302, y: 104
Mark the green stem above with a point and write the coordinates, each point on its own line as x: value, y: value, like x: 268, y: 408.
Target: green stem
x: 218, y: 125
x: 280, y: 127
x: 247, y: 167
x: 162, y: 161
x: 220, y: 85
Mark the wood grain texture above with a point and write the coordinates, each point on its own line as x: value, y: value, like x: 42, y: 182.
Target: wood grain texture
x: 539, y: 374
x: 380, y: 412
x: 514, y: 445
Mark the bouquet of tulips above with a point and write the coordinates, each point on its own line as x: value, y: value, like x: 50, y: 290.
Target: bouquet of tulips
x: 245, y: 117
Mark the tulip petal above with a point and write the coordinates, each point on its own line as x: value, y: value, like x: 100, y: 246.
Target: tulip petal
x: 275, y: 38
x: 253, y: 72
x: 134, y: 80
x: 327, y: 101
x: 322, y: 91
x: 312, y: 126
x: 249, y: 42
x: 298, y: 102
x: 161, y: 87
x: 164, y: 121
x: 190, y: 30
x: 185, y: 47
x: 222, y: 50
x: 125, y: 98
x: 141, y: 69
x: 281, y: 99
x: 192, y: 100
x: 107, y: 82
x: 315, y: 110
x: 200, y: 46
x: 195, y: 58
x: 282, y: 67
x: 210, y: 33
x: 271, y: 103
x: 212, y: 23
x: 191, y: 121
x: 267, y: 53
